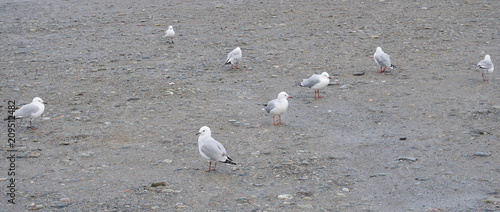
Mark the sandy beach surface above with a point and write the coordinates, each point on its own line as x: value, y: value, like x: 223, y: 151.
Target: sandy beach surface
x: 124, y: 105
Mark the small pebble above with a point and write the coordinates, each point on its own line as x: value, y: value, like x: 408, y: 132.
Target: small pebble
x: 346, y: 86
x: 408, y: 159
x: 158, y: 184
x: 358, y: 73
x: 285, y: 196
x: 481, y: 154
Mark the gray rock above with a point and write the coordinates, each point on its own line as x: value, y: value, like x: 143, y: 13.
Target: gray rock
x: 285, y: 196
x: 358, y: 73
x: 133, y: 98
x: 346, y: 86
x: 408, y: 159
x: 158, y: 184
x: 481, y: 154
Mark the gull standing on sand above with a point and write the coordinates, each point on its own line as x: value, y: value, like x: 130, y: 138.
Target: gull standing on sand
x: 212, y: 149
x: 316, y: 82
x: 487, y: 65
x: 31, y: 110
x: 234, y: 57
x: 170, y: 34
x: 382, y: 59
x: 277, y: 106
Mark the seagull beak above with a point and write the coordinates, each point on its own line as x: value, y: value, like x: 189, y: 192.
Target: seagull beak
x: 198, y: 133
x: 44, y: 102
x: 289, y: 96
x: 329, y: 77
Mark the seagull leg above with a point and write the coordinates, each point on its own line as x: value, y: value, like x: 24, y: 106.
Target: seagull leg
x: 210, y: 166
x: 381, y: 70
x: 280, y: 120
x: 484, y: 78
x: 319, y: 95
x: 274, y: 123
x: 31, y: 125
x: 237, y: 66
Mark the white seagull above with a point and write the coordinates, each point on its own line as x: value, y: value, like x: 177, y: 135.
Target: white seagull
x: 31, y: 110
x: 487, y: 65
x: 234, y: 57
x: 277, y: 106
x: 211, y: 149
x: 170, y: 34
x: 382, y: 59
x: 316, y: 82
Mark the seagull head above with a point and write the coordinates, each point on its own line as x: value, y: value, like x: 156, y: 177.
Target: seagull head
x: 325, y: 74
x: 38, y: 100
x: 204, y: 131
x: 283, y: 95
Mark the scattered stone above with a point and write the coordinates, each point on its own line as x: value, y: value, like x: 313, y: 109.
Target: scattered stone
x: 61, y: 205
x: 167, y: 190
x: 63, y: 143
x: 133, y: 98
x: 402, y: 139
x: 493, y: 192
x: 481, y: 154
x: 479, y: 132
x: 305, y: 193
x: 158, y: 184
x: 304, y: 163
x: 85, y: 154
x: 167, y: 161
x: 346, y: 86
x: 333, y: 157
x: 492, y: 200
x: 22, y: 155
x: 358, y: 73
x: 333, y: 83
x: 256, y: 154
x: 180, y: 205
x: 345, y: 189
x: 242, y: 200
x: 305, y: 206
x: 408, y: 159
x: 65, y: 199
x: 285, y: 196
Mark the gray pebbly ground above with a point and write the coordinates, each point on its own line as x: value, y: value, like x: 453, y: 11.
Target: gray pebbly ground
x: 124, y: 105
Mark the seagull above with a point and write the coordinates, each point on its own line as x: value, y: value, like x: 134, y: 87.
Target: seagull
x: 277, y: 106
x: 487, y: 65
x: 234, y: 57
x: 31, y: 110
x: 316, y: 82
x: 170, y: 33
x: 211, y: 149
x: 382, y: 59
